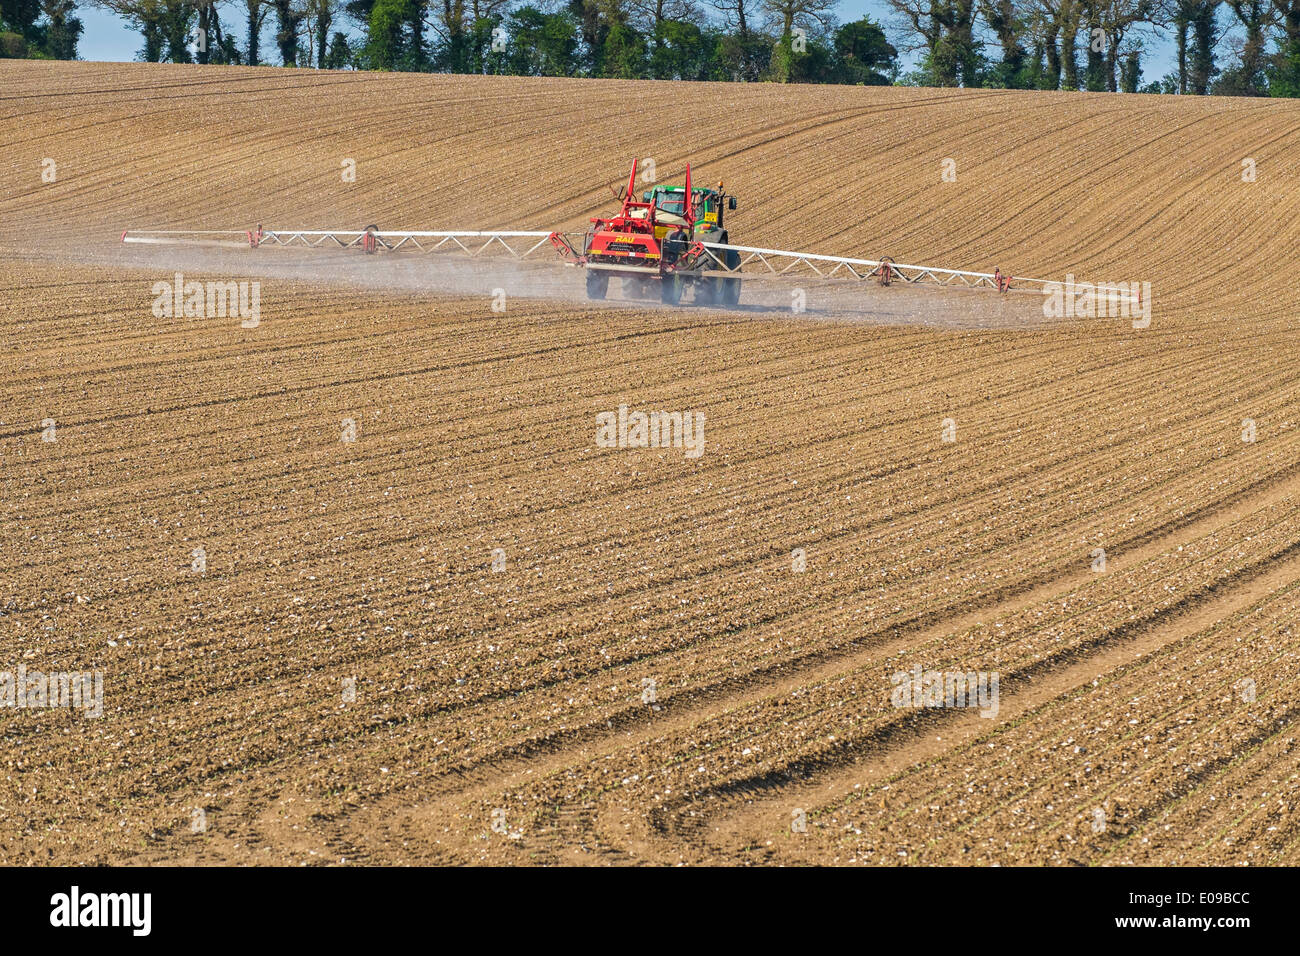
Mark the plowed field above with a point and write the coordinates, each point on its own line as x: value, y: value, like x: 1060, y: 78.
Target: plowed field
x: 436, y: 621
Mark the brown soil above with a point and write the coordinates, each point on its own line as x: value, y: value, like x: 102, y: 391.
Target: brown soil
x: 1160, y: 691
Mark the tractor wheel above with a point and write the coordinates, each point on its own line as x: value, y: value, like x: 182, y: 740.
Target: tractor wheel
x: 670, y: 289
x: 597, y: 284
x: 730, y: 291
x: 731, y: 287
x: 709, y: 291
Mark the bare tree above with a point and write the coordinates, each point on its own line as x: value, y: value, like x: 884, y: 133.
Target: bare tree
x: 448, y: 22
x: 1196, y: 34
x: 1056, y: 22
x: 288, y: 22
x: 743, y: 51
x: 919, y: 20
x: 1004, y: 19
x: 1073, y: 20
x: 318, y: 17
x: 787, y: 14
x: 164, y: 24
x: 209, y: 30
x: 1257, y: 17
x: 646, y: 15
x: 255, y: 15
x: 945, y: 29
x: 737, y: 13
x: 1109, y: 22
x: 1289, y: 12
x: 62, y: 29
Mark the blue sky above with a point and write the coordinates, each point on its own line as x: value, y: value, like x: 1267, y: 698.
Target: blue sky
x: 108, y: 37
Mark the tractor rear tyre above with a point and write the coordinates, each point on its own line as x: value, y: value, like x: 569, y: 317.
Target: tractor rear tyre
x: 670, y: 289
x: 730, y: 291
x: 709, y: 291
x: 597, y: 284
x: 731, y: 287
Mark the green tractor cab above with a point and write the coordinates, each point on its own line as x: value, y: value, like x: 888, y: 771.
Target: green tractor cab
x: 710, y: 206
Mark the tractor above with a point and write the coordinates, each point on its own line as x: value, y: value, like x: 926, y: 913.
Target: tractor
x: 658, y: 239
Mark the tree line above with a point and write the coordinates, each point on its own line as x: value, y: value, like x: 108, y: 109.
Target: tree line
x: 1226, y: 47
